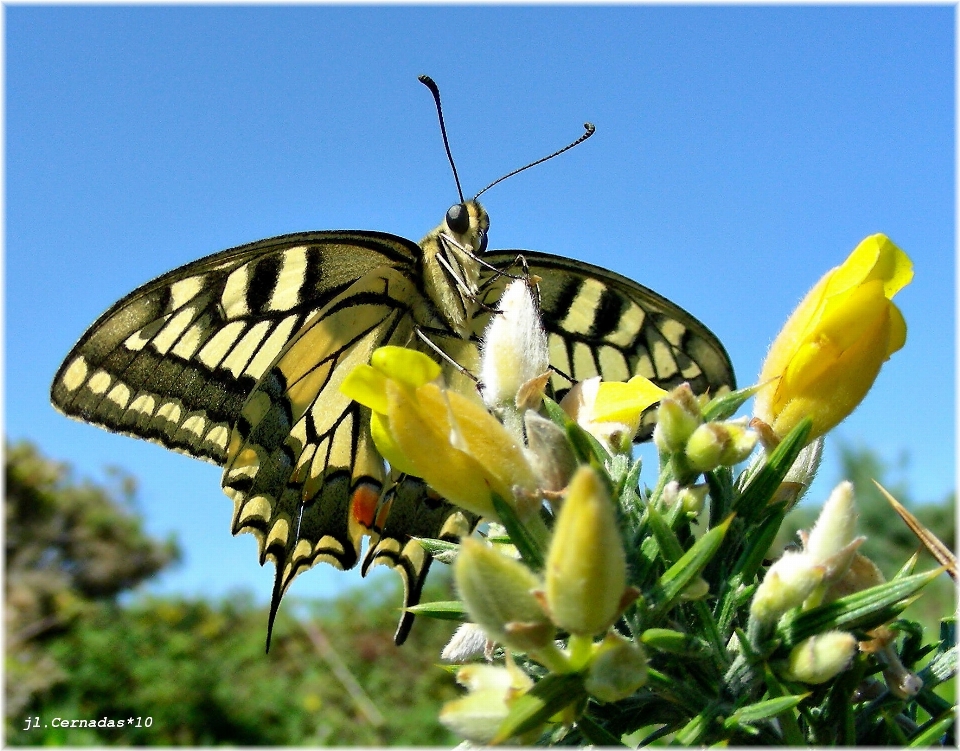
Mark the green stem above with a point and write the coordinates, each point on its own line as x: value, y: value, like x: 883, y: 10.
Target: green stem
x: 553, y: 659
x: 581, y: 650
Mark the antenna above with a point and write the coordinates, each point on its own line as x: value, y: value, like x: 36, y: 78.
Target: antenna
x: 590, y: 130
x: 435, y: 90
x: 431, y: 84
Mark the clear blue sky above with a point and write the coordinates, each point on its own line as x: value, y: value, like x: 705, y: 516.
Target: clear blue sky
x: 740, y: 153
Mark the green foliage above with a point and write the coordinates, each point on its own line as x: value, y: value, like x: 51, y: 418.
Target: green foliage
x: 200, y: 672
x: 196, y: 669
x: 813, y: 649
x: 68, y: 546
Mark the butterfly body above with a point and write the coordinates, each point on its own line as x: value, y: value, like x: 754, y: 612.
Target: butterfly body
x: 237, y: 359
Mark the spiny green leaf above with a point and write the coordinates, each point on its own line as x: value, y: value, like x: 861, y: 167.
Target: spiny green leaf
x: 540, y: 703
x: 526, y: 544
x: 444, y: 610
x: 862, y: 610
x: 763, y: 710
x: 931, y: 733
x: 674, y: 642
x: 763, y: 484
x: 587, y: 448
x: 597, y: 734
x: 722, y: 407
x: 676, y: 578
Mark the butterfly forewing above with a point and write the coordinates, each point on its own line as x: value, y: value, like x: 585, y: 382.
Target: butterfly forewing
x: 174, y: 361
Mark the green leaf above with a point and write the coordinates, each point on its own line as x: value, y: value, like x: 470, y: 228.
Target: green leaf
x: 588, y: 449
x: 527, y: 545
x: 674, y: 642
x: 596, y: 734
x: 444, y: 610
x: 763, y: 710
x: 762, y: 486
x: 693, y: 731
x: 722, y: 407
x: 931, y: 733
x: 670, y: 548
x: 540, y: 703
x: 862, y: 610
x: 676, y: 578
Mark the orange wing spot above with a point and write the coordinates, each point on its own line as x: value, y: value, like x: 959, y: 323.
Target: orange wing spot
x: 363, y: 503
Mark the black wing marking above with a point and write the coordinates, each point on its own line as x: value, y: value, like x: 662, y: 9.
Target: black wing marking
x: 174, y: 361
x: 601, y: 323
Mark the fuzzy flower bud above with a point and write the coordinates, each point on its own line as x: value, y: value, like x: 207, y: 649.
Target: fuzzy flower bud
x: 492, y: 689
x: 586, y: 569
x: 677, y: 417
x: 789, y: 581
x: 497, y: 592
x: 514, y: 347
x: 830, y: 542
x: 618, y: 670
x: 821, y: 657
x: 549, y: 452
x: 719, y: 443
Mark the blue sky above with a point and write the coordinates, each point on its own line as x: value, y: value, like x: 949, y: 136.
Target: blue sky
x: 740, y: 153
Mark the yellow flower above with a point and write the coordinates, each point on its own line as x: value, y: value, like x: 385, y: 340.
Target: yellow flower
x: 611, y: 410
x: 449, y: 440
x: 830, y: 351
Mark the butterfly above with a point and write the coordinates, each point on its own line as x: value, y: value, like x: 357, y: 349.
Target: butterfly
x: 237, y: 359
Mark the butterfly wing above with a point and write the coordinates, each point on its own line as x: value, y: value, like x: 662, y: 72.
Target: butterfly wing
x: 174, y: 361
x: 301, y: 466
x: 601, y: 323
x: 237, y: 358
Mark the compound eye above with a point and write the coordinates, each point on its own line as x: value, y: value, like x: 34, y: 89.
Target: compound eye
x: 483, y: 242
x: 458, y: 220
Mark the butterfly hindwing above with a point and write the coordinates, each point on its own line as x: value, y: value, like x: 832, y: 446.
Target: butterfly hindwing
x: 301, y: 467
x: 410, y: 509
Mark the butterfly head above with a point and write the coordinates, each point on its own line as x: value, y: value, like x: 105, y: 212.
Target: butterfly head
x: 468, y: 223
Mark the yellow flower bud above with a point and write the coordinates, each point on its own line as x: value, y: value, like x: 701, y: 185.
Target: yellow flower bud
x: 618, y: 670
x: 829, y: 352
x: 677, y: 417
x: 498, y: 591
x: 739, y: 444
x: 821, y: 657
x: 719, y: 443
x: 586, y: 569
x: 705, y: 447
x: 478, y: 715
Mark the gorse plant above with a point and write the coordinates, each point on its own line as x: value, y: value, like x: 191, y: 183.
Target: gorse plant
x: 600, y: 612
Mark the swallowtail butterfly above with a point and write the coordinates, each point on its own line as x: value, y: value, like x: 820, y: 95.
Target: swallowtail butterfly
x: 237, y: 358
